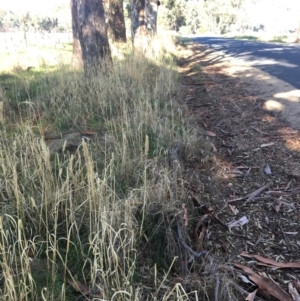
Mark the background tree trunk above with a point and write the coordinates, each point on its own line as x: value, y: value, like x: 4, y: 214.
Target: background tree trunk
x: 138, y: 18
x: 92, y: 33
x: 143, y: 20
x: 151, y: 15
x: 77, y: 53
x: 116, y: 21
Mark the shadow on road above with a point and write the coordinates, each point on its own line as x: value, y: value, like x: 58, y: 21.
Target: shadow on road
x: 276, y: 59
x: 280, y: 97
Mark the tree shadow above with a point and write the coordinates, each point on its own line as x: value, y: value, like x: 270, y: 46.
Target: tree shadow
x: 251, y: 145
x: 277, y: 59
x: 274, y: 83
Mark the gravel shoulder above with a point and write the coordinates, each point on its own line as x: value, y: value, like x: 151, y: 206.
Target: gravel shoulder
x: 250, y: 124
x: 279, y: 96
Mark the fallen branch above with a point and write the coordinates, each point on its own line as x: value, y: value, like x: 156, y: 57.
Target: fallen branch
x: 200, y: 234
x: 284, y: 193
x: 243, y: 292
x: 283, y: 132
x: 249, y: 197
x: 257, y: 192
x: 198, y: 255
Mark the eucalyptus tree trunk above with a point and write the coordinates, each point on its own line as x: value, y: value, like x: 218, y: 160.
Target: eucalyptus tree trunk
x: 151, y: 15
x: 143, y: 19
x: 115, y: 20
x: 92, y: 34
x: 77, y: 53
x: 138, y: 18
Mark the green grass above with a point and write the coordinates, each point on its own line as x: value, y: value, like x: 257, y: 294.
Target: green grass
x: 88, y: 212
x: 102, y: 210
x: 247, y: 37
x: 275, y: 39
x: 278, y: 39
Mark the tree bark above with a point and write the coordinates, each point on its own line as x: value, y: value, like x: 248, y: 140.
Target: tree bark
x: 116, y: 21
x: 92, y: 34
x: 138, y: 18
x: 143, y: 18
x: 151, y: 15
x: 77, y: 53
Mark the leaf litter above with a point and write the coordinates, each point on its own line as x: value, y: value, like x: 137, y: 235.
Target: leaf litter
x: 242, y: 137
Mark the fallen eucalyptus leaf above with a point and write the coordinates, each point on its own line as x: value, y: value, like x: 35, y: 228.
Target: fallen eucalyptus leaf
x: 297, y: 284
x: 293, y: 291
x: 209, y: 133
x: 239, y: 223
x: 272, y: 262
x: 267, y: 144
x: 251, y: 296
x: 268, y: 170
x: 270, y: 287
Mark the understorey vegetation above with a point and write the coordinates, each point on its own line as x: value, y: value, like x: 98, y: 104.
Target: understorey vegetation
x: 92, y: 180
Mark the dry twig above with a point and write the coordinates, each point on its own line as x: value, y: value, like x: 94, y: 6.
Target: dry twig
x: 198, y: 255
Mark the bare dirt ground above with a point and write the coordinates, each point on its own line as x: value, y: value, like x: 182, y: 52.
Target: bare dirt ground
x: 249, y: 122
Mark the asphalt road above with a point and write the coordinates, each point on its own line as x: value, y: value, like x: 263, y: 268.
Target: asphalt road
x: 277, y: 59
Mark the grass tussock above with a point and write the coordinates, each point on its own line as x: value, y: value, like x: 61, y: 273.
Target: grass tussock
x: 102, y: 212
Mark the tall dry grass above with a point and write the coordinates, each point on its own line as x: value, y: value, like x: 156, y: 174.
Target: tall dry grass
x: 101, y: 214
